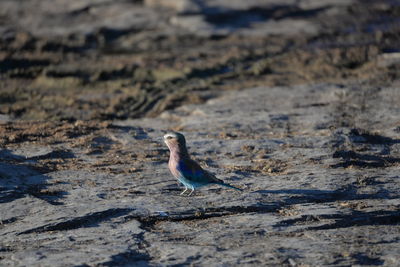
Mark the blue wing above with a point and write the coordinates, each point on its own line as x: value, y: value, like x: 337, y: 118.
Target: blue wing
x: 192, y: 171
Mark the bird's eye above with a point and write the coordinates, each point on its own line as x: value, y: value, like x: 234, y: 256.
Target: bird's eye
x: 169, y: 137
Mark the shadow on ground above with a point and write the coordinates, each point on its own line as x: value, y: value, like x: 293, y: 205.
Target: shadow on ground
x: 18, y: 179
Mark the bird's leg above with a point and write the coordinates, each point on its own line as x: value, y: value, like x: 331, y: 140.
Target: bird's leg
x: 184, y: 191
x: 191, y: 192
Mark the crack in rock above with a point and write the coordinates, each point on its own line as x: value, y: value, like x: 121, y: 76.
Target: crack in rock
x: 149, y: 221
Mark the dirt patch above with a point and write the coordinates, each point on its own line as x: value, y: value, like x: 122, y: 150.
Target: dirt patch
x: 96, y: 76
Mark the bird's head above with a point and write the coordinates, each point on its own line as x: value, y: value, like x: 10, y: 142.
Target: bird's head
x: 175, y: 140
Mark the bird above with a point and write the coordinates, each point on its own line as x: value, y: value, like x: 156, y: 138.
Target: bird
x: 185, y: 169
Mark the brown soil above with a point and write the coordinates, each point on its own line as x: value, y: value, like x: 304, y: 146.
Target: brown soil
x: 95, y: 76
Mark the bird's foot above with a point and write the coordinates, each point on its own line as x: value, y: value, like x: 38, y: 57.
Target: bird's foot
x: 187, y: 195
x: 190, y: 193
x: 183, y: 191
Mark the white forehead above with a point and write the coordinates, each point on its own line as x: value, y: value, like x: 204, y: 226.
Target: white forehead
x: 173, y: 135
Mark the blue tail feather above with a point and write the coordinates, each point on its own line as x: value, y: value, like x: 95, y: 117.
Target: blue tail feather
x: 231, y: 186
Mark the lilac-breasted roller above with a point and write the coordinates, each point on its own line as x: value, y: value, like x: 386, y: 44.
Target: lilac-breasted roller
x: 186, y: 170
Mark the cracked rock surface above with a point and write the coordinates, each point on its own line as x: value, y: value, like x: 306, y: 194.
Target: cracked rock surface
x: 318, y: 165
x: 294, y: 101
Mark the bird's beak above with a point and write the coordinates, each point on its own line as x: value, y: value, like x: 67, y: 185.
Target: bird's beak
x: 165, y: 140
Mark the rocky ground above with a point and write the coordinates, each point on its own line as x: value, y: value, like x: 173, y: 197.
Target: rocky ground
x: 296, y: 102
